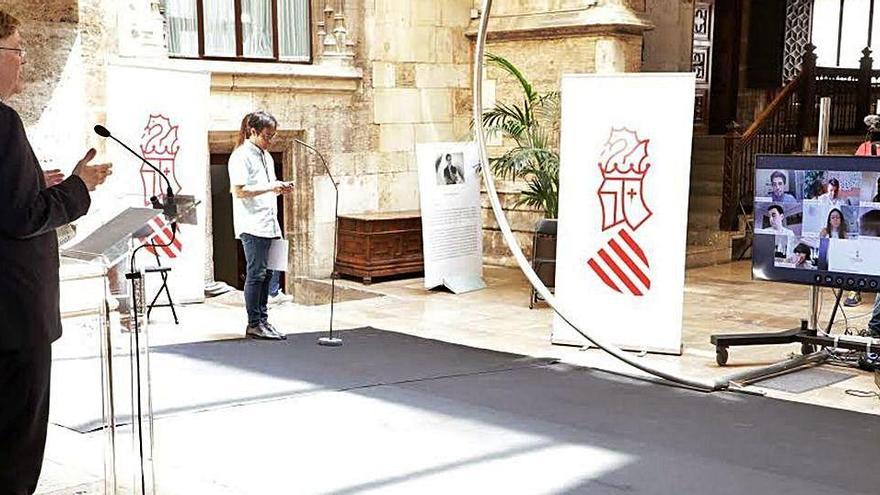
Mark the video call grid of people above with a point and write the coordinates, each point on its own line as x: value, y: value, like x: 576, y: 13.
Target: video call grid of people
x: 820, y: 219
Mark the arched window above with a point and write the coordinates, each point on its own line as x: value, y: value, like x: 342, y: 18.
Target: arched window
x: 275, y: 30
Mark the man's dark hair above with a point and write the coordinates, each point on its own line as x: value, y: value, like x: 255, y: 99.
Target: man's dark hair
x: 243, y: 131
x: 869, y: 224
x: 777, y: 208
x: 776, y: 174
x: 260, y: 120
x: 8, y: 24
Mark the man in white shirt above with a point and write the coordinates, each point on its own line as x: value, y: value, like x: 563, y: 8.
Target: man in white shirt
x: 254, y: 188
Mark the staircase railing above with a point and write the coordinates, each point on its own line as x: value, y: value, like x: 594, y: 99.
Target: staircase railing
x: 779, y: 129
x: 789, y: 118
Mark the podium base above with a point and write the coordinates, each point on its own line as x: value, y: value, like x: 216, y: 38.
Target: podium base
x: 330, y: 341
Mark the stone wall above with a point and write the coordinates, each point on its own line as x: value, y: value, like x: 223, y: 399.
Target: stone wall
x: 403, y: 78
x: 63, y: 76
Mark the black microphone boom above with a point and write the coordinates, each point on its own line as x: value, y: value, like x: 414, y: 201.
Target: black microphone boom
x: 323, y: 161
x: 330, y: 341
x: 170, y: 208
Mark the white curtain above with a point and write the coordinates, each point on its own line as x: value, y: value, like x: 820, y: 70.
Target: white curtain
x: 220, y: 28
x: 256, y: 28
x: 294, y: 36
x: 182, y: 28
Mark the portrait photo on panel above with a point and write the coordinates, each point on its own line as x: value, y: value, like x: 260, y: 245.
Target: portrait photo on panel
x: 449, y: 168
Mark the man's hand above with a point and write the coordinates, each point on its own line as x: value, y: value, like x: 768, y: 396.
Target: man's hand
x: 92, y: 175
x: 53, y: 177
x: 281, y: 187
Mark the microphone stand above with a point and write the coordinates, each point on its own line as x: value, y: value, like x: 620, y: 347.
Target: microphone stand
x: 138, y: 298
x: 330, y: 340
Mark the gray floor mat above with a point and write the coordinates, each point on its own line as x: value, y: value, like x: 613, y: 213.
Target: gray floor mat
x: 802, y: 381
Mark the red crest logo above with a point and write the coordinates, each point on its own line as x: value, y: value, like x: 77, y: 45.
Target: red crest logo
x: 159, y: 145
x: 622, y: 264
x: 623, y: 164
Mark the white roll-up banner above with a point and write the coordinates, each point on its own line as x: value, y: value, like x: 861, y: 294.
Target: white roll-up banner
x: 162, y: 115
x: 623, y: 207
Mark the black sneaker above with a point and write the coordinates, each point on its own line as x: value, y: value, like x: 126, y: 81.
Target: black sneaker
x: 271, y: 328
x: 261, y: 332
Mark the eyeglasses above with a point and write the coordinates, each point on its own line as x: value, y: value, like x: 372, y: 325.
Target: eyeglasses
x: 267, y: 136
x: 21, y: 52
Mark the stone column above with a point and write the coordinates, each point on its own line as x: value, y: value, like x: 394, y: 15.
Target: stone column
x: 610, y: 56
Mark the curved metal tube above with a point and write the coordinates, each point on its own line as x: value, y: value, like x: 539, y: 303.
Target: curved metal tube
x: 524, y: 264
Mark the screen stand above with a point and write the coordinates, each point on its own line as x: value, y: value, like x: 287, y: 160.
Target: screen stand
x: 807, y: 335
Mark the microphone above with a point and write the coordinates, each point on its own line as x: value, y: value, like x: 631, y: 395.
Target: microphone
x: 170, y: 207
x: 329, y: 341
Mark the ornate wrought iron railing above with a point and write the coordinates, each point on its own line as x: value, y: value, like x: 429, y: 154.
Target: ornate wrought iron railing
x: 776, y: 130
x: 852, y: 93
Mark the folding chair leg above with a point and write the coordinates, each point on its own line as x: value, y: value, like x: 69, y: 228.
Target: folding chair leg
x: 170, y: 303
x: 153, y: 303
x: 163, y: 288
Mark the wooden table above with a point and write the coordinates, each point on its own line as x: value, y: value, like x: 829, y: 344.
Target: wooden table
x: 379, y: 244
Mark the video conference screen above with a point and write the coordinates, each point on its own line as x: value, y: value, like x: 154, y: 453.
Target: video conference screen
x: 817, y: 220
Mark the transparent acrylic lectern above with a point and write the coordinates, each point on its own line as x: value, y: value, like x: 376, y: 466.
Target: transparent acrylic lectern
x: 122, y: 328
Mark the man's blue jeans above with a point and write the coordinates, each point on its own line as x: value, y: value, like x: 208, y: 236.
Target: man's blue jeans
x: 274, y: 283
x: 874, y: 324
x: 256, y: 282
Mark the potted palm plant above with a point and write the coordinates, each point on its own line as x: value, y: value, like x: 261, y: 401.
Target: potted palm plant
x: 531, y: 127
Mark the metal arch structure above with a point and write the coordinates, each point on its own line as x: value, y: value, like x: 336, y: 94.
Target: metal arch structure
x: 524, y: 265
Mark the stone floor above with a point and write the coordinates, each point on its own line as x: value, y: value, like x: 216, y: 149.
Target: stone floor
x: 719, y: 299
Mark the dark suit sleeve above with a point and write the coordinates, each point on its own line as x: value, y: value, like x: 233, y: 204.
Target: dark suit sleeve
x: 27, y: 208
